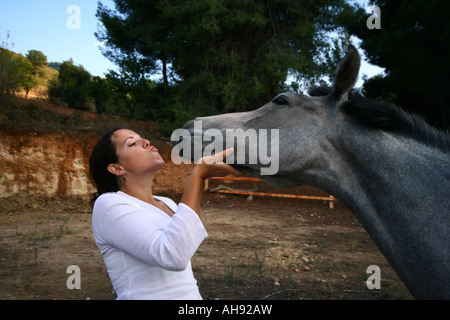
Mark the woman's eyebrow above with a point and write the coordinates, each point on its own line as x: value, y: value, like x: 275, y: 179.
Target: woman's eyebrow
x: 131, y: 137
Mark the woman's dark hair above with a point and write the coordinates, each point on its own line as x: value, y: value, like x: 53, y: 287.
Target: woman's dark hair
x: 103, y: 154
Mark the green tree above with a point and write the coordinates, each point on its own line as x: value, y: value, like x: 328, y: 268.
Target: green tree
x: 36, y: 72
x: 412, y: 47
x: 99, y: 92
x: 37, y: 58
x: 71, y: 86
x: 30, y: 79
x: 224, y: 55
x: 131, y: 84
x: 16, y: 72
x: 8, y: 71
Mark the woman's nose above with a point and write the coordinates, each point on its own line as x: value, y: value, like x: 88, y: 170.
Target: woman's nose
x: 145, y: 143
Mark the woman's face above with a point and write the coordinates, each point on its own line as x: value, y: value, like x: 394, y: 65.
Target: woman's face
x: 136, y: 154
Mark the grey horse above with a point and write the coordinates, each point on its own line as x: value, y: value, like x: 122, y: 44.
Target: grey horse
x: 389, y: 167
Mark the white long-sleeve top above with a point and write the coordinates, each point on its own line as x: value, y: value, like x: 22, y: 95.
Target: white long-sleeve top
x: 147, y: 252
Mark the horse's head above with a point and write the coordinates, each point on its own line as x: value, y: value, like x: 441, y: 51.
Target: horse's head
x: 285, y: 135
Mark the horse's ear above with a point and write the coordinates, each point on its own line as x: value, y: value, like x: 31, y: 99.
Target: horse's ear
x: 346, y: 75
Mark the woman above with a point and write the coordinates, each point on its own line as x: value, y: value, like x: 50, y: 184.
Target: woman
x: 146, y: 241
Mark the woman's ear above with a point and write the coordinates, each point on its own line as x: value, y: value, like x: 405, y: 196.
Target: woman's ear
x: 115, y: 169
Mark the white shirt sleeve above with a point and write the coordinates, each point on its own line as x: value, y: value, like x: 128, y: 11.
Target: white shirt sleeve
x: 145, y: 233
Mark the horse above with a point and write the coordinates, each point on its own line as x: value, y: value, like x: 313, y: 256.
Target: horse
x: 388, y: 166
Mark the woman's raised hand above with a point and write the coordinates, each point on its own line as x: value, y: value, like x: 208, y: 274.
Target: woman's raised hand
x: 206, y: 167
x: 214, y: 165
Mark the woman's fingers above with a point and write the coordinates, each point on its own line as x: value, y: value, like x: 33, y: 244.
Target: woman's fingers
x: 214, y: 165
x: 218, y: 157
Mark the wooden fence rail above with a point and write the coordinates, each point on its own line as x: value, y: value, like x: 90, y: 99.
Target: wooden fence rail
x: 330, y: 199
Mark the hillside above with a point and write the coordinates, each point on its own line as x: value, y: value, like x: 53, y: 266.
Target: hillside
x: 19, y: 115
x: 45, y: 148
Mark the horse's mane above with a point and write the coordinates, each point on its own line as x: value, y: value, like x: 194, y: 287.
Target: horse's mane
x: 389, y: 117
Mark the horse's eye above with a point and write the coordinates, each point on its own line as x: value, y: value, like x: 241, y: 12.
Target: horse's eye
x: 281, y: 100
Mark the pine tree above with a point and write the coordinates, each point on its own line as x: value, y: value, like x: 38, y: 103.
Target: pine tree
x: 223, y: 55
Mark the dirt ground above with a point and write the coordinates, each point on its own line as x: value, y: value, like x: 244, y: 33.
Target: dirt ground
x: 258, y: 248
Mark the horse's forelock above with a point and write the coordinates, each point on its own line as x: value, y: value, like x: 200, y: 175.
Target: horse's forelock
x: 319, y: 90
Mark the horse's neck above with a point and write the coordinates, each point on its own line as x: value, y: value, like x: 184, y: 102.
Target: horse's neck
x: 390, y: 173
x: 398, y: 190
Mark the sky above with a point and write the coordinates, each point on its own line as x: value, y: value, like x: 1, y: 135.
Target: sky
x: 64, y: 29
x: 51, y: 26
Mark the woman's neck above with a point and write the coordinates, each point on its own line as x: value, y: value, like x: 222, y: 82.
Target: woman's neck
x: 141, y: 189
